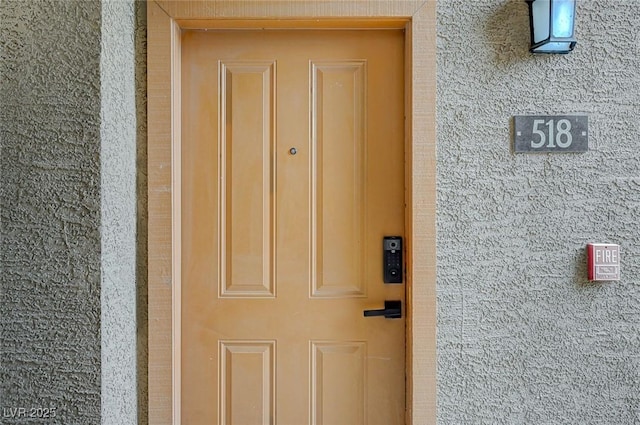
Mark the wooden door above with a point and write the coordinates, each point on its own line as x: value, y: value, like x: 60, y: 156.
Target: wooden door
x: 292, y: 171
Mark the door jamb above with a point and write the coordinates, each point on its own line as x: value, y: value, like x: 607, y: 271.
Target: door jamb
x: 166, y: 19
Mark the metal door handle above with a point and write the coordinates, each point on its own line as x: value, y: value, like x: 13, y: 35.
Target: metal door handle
x: 391, y: 310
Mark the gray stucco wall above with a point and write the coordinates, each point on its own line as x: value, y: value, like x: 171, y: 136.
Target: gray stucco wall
x: 523, y: 337
x: 50, y: 211
x: 73, y: 206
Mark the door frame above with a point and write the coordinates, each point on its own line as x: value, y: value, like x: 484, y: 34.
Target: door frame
x: 166, y: 20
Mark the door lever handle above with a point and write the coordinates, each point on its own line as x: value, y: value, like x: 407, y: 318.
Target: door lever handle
x: 391, y: 310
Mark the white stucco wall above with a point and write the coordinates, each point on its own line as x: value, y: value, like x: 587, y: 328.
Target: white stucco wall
x: 122, y: 141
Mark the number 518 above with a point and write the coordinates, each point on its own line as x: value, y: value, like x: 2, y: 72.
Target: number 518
x: 561, y: 137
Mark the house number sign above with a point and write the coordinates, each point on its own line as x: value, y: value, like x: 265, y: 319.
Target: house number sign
x: 551, y: 133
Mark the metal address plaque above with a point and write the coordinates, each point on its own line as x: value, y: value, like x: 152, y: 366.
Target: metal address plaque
x: 551, y: 133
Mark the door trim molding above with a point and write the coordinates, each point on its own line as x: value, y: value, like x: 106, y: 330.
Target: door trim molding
x: 166, y: 19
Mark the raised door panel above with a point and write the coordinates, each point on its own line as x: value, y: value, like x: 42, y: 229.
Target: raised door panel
x: 338, y: 383
x: 338, y: 125
x: 247, y: 382
x: 247, y: 206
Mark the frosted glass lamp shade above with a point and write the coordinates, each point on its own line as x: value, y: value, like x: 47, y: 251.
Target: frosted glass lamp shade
x: 552, y: 25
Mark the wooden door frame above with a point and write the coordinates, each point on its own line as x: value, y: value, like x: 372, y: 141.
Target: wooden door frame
x: 166, y: 20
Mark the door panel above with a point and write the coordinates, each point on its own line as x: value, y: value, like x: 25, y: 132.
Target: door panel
x: 247, y: 382
x: 282, y: 248
x: 338, y: 365
x: 338, y: 180
x: 247, y: 204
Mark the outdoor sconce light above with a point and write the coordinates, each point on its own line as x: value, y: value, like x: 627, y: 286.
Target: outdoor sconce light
x: 552, y: 23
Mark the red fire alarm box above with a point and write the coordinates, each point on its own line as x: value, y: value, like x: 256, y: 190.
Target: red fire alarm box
x: 603, y: 261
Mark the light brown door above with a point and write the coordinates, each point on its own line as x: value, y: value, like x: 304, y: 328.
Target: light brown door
x: 292, y: 175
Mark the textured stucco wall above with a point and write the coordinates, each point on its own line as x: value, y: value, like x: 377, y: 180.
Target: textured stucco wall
x: 123, y: 141
x: 523, y: 338
x: 50, y: 211
x: 73, y: 122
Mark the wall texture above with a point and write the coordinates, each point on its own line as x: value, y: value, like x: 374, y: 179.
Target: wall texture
x: 50, y: 212
x: 123, y: 250
x: 523, y: 337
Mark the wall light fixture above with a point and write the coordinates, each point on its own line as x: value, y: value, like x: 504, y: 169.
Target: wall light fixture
x: 552, y: 25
